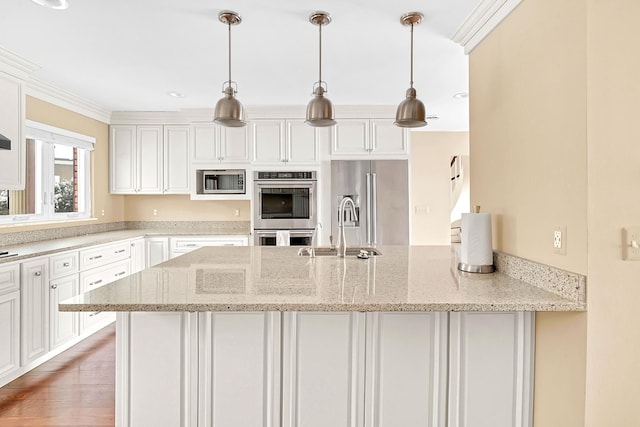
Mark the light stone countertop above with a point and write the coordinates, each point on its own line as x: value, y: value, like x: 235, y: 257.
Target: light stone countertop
x: 52, y: 246
x: 254, y: 278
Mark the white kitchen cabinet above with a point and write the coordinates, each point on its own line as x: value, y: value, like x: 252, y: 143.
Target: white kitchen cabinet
x: 176, y: 160
x: 149, y: 159
x: 12, y: 113
x: 137, y: 254
x: 491, y: 369
x: 97, y: 256
x: 183, y: 245
x: 63, y: 326
x: 284, y: 142
x: 63, y: 264
x: 9, y: 319
x: 218, y: 144
x: 369, y: 139
x: 406, y: 366
x: 34, y: 319
x: 156, y: 250
x: 135, y: 159
x: 323, y: 369
x: 95, y: 278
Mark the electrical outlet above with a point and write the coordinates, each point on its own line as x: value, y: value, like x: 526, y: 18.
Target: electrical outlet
x: 237, y: 212
x: 422, y: 210
x: 631, y: 244
x: 102, y: 212
x: 560, y: 240
x: 155, y: 212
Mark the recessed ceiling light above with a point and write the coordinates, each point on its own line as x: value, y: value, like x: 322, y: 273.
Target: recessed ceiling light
x: 461, y: 95
x: 175, y: 94
x: 433, y: 118
x: 53, y: 4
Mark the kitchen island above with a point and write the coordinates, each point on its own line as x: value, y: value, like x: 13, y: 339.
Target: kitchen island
x: 261, y: 336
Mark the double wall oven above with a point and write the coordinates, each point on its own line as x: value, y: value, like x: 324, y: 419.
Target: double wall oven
x: 285, y: 205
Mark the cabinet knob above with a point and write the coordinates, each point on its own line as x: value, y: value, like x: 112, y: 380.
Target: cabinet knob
x: 54, y: 286
x: 65, y: 264
x: 38, y: 274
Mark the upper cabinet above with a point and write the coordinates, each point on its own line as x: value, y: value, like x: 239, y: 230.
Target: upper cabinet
x: 149, y: 159
x: 12, y: 172
x: 284, y: 142
x: 369, y: 138
x: 218, y: 144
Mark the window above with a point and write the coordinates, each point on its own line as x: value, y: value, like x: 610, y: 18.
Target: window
x: 57, y: 177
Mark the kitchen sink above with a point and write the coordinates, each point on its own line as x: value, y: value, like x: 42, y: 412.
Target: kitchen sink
x: 351, y: 251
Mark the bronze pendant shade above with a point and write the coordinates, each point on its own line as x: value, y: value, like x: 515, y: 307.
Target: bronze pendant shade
x: 320, y: 109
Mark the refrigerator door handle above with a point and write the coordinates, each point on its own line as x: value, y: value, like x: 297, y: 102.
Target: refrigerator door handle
x: 374, y: 209
x: 369, y: 209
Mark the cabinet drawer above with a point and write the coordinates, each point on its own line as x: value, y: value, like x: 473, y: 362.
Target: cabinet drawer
x: 9, y: 278
x: 187, y: 244
x: 94, y: 278
x: 106, y: 254
x: 63, y: 264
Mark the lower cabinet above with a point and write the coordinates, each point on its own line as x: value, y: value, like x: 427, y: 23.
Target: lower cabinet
x: 94, y: 279
x: 63, y: 326
x: 34, y: 299
x: 306, y: 369
x: 156, y: 250
x: 9, y: 332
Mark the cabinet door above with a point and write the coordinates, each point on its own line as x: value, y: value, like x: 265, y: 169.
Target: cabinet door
x: 406, y: 365
x: 388, y: 140
x: 302, y: 143
x: 122, y: 159
x: 234, y: 144
x: 323, y: 378
x: 149, y: 159
x: 34, y: 309
x: 491, y: 369
x: 205, y: 142
x: 63, y: 325
x: 137, y: 255
x: 157, y: 250
x: 12, y: 172
x: 176, y: 160
x: 268, y: 141
x: 351, y: 138
x: 9, y: 333
x: 239, y: 370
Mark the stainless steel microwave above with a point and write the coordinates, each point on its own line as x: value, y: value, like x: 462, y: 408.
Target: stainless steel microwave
x: 221, y: 181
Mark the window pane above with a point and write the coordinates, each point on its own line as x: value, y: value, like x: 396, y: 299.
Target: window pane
x: 65, y: 179
x: 27, y: 201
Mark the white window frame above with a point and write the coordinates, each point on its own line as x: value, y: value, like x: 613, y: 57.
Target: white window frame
x: 50, y: 135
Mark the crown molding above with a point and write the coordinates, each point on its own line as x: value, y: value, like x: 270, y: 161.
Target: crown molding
x: 484, y: 18
x: 47, y: 92
x: 16, y: 65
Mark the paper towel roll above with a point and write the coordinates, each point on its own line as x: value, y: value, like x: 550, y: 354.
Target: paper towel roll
x: 476, y: 247
x: 282, y: 238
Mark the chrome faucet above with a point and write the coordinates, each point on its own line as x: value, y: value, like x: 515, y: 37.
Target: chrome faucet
x: 342, y: 242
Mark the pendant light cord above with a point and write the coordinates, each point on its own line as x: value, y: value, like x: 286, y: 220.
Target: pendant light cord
x: 411, y: 81
x: 320, y: 55
x: 229, y: 25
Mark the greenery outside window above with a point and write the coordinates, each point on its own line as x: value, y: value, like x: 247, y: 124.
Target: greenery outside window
x: 57, y: 177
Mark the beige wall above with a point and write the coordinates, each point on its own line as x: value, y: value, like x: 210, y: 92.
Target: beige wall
x: 613, y: 101
x: 555, y: 90
x: 181, y: 208
x: 528, y: 150
x: 431, y: 154
x: 44, y: 112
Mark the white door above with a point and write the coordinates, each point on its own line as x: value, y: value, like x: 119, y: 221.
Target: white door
x: 302, y: 143
x: 388, y: 140
x: 491, y: 369
x: 157, y: 250
x: 137, y: 255
x: 406, y: 373
x: 149, y: 159
x: 122, y: 159
x: 9, y: 332
x: 239, y: 369
x: 351, y: 138
x: 64, y: 326
x: 34, y: 309
x: 234, y: 144
x: 323, y: 375
x: 269, y: 142
x: 176, y: 160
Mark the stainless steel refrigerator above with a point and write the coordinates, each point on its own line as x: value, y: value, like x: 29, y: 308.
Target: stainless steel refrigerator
x: 380, y: 190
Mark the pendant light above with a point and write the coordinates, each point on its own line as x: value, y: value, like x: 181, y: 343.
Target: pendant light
x: 411, y: 112
x: 229, y: 111
x: 320, y: 109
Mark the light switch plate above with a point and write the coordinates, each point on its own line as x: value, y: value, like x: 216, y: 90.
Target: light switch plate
x: 631, y: 243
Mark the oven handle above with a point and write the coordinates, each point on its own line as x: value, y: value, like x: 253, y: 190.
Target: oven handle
x: 291, y: 232
x: 259, y: 202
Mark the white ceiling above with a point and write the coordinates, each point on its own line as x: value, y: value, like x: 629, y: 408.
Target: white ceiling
x: 125, y: 55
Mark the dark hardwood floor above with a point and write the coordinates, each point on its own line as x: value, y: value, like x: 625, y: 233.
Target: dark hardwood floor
x: 76, y: 388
